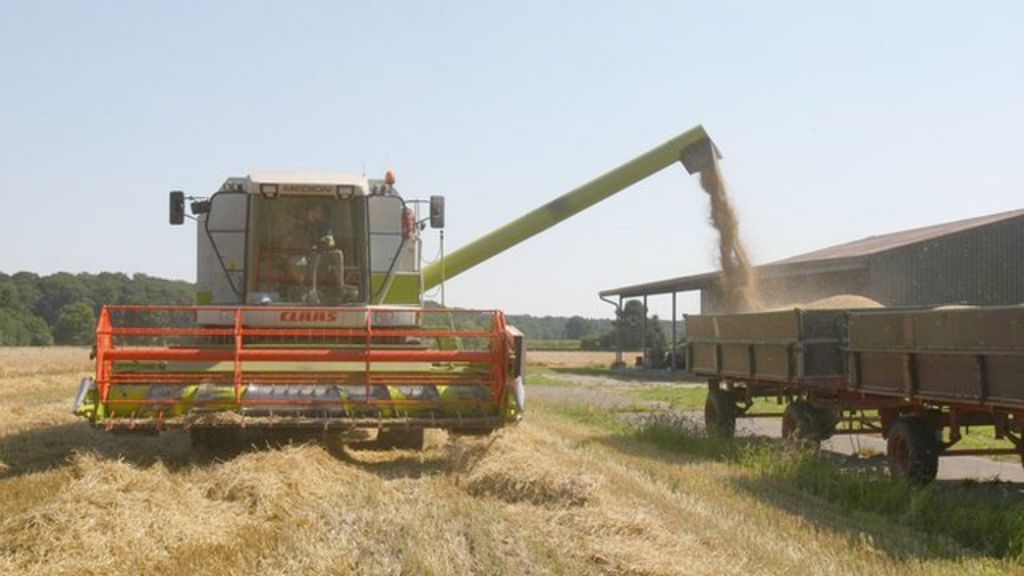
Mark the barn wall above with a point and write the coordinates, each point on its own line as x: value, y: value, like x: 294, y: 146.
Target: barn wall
x: 984, y: 266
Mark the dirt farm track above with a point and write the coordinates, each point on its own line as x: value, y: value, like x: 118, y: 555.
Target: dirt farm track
x: 561, y: 493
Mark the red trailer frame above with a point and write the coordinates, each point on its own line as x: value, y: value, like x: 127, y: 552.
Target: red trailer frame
x: 917, y: 377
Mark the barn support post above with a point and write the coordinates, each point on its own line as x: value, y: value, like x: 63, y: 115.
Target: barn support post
x: 673, y: 365
x: 643, y: 341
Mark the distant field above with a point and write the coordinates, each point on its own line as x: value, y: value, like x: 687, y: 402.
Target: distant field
x: 536, y: 344
x: 575, y: 489
x: 572, y: 358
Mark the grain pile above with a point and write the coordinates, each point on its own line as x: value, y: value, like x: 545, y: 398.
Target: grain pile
x: 837, y: 302
x: 738, y: 277
x: 841, y: 301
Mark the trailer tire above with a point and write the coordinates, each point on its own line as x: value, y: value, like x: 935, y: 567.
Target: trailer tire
x: 401, y: 438
x: 720, y: 414
x: 829, y: 418
x: 802, y: 422
x: 913, y: 451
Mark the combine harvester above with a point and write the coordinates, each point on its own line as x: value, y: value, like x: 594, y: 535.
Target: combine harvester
x: 310, y: 315
x: 919, y: 377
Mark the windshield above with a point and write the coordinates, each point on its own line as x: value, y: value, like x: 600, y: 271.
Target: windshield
x: 307, y: 250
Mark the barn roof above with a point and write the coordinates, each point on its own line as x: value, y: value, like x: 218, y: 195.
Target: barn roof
x: 841, y: 257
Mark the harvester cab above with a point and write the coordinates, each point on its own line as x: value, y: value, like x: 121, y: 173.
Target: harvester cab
x: 293, y: 239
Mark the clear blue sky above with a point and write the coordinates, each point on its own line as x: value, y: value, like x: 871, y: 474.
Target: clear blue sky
x: 836, y: 122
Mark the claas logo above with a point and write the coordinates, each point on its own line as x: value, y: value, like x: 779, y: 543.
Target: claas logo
x: 309, y: 316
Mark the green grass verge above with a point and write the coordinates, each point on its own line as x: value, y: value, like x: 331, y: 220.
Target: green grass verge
x: 987, y: 519
x: 692, y: 398
x: 983, y: 437
x: 591, y: 415
x: 543, y: 376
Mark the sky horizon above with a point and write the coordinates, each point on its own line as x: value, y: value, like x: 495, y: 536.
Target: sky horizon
x: 835, y: 122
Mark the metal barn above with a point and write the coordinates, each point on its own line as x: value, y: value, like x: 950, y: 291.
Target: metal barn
x: 976, y: 261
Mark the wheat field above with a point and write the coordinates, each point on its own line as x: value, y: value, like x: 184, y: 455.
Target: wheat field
x: 553, y: 495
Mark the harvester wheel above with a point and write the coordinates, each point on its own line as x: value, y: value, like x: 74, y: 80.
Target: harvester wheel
x: 214, y: 439
x: 802, y: 422
x: 403, y: 439
x: 720, y: 414
x: 913, y: 451
x: 471, y: 431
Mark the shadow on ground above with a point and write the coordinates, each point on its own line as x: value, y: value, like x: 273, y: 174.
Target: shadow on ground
x: 46, y: 448
x: 443, y: 455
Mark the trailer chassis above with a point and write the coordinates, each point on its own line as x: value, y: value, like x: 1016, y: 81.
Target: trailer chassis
x: 935, y: 427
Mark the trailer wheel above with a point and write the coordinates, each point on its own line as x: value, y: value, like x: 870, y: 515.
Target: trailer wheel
x: 802, y: 422
x: 720, y: 414
x: 401, y: 438
x: 913, y: 451
x: 829, y: 418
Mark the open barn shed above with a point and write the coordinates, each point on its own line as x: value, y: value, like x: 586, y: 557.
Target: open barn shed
x: 977, y: 261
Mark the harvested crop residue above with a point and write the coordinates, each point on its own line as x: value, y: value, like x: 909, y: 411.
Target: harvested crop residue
x: 556, y: 494
x: 738, y: 276
x: 473, y: 506
x: 511, y: 471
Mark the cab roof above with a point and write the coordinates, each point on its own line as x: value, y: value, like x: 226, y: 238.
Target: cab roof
x: 300, y: 183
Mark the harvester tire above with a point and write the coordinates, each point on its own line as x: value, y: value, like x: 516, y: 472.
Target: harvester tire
x: 720, y: 414
x: 471, y: 431
x: 214, y: 440
x: 804, y: 423
x: 913, y: 451
x: 402, y: 439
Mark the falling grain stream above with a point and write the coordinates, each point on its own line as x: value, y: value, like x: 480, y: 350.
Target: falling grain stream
x: 738, y: 278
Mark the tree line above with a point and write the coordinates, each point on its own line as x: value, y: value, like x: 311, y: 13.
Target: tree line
x: 62, y: 308
x: 559, y: 327
x: 626, y: 330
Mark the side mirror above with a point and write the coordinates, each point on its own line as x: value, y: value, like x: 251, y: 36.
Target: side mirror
x: 177, y: 207
x: 437, y: 211
x: 200, y: 207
